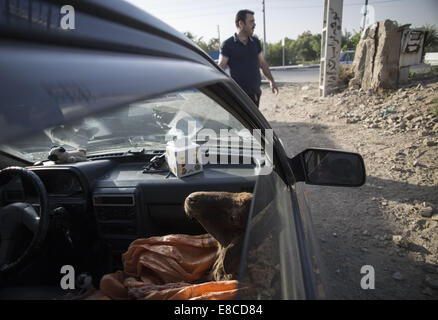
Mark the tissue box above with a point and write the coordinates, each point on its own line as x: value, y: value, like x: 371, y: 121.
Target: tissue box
x: 182, y: 158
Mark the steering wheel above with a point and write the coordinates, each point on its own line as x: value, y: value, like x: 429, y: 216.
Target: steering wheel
x: 17, y: 215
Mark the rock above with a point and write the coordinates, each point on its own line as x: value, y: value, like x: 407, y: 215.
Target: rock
x: 430, y: 269
x: 398, y: 276
x: 401, y: 125
x: 426, y: 212
x: 410, y: 116
x: 429, y: 142
x: 431, y: 282
x: 420, y: 225
x: 400, y: 241
x: 304, y: 88
x: 376, y: 60
x: 429, y: 292
x: 403, y: 95
x: 426, y: 204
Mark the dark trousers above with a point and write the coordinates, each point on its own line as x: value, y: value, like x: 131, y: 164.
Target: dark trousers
x: 256, y: 98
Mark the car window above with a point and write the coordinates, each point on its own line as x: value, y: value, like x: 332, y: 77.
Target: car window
x: 147, y: 124
x: 270, y: 265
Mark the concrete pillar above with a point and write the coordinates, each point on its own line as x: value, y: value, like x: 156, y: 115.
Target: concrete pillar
x: 330, y: 46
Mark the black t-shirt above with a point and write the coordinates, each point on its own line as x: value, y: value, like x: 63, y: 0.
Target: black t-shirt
x: 243, y: 62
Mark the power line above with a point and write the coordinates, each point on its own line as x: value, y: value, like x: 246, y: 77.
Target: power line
x: 209, y: 10
x: 282, y: 7
x: 228, y: 12
x: 197, y: 7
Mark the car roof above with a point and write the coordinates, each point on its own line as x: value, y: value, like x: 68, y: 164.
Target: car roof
x: 116, y: 54
x: 102, y: 24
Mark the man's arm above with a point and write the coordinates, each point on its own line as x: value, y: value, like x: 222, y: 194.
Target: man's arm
x: 223, y: 61
x: 264, y: 66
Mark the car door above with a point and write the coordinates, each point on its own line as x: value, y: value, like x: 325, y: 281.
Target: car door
x: 276, y: 255
x: 275, y: 261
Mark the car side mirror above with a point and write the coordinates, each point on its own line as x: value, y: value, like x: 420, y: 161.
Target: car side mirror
x: 329, y: 167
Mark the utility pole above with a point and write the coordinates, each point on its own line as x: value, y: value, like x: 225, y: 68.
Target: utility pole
x: 282, y: 44
x: 264, y: 29
x: 365, y: 15
x: 330, y: 46
x: 219, y: 37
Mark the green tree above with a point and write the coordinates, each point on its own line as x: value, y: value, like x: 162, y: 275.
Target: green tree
x: 431, y: 38
x: 308, y: 46
x: 290, y: 51
x: 350, y: 40
x: 202, y: 44
x: 274, y: 54
x: 189, y: 35
x: 213, y: 44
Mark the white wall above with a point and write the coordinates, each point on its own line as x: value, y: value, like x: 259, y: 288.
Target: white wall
x: 431, y: 58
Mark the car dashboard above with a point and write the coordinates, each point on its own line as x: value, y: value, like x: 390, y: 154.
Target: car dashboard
x: 120, y: 202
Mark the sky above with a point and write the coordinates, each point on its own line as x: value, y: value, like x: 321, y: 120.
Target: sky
x: 283, y: 18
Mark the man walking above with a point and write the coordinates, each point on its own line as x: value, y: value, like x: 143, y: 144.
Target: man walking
x: 243, y: 54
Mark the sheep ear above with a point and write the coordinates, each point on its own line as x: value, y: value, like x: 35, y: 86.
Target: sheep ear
x: 61, y: 149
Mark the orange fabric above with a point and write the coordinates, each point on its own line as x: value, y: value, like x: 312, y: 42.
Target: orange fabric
x: 164, y: 268
x: 214, y: 290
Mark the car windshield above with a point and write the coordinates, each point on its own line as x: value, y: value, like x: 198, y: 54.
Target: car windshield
x: 148, y: 125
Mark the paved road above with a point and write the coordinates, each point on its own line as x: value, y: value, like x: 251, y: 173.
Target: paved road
x: 303, y: 74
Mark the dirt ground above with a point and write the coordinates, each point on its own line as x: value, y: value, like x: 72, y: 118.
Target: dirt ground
x: 390, y: 223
